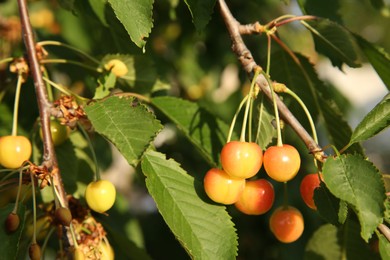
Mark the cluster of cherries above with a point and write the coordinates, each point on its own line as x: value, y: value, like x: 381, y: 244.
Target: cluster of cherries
x: 15, y: 150
x: 233, y: 184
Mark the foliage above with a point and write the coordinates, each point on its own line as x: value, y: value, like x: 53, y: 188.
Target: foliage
x: 174, y: 107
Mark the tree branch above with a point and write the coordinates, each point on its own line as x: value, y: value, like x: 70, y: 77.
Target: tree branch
x: 248, y: 63
x: 44, y: 105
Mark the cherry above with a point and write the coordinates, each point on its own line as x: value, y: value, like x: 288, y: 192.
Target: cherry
x: 12, y: 222
x: 106, y: 251
x: 257, y: 197
x: 308, y: 184
x: 34, y: 251
x: 222, y: 188
x: 286, y: 223
x: 78, y: 254
x: 63, y: 216
x: 117, y: 67
x: 100, y: 195
x: 282, y: 162
x: 241, y: 159
x: 14, y: 150
x: 59, y: 133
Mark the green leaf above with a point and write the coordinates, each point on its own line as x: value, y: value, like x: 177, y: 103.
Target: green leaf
x: 377, y: 4
x: 319, y: 248
x: 204, y: 230
x: 328, y: 206
x: 330, y: 242
x: 353, y: 245
x: 141, y: 76
x: 9, y: 246
x: 327, y: 9
x: 358, y: 182
x: 67, y: 4
x: 267, y: 131
x: 201, y: 11
x: 384, y: 247
x: 203, y: 129
x: 378, y: 57
x: 334, y: 41
x: 136, y: 17
x: 125, y: 123
x: 105, y: 84
x: 99, y: 7
x: 374, y: 122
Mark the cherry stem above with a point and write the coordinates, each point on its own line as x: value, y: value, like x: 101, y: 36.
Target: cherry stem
x: 65, y: 61
x: 47, y: 239
x: 261, y: 109
x: 97, y: 171
x: 308, y: 115
x: 64, y: 90
x: 6, y: 60
x: 276, y: 112
x: 248, y: 64
x: 16, y: 105
x: 34, y: 240
x: 82, y: 53
x: 244, y: 100
x: 48, y: 86
x: 19, y: 190
x: 250, y: 121
x: 248, y: 103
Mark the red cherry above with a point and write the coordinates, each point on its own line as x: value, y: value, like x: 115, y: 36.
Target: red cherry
x: 257, y: 197
x: 308, y: 184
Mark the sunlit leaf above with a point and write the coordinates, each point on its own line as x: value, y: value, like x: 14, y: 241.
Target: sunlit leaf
x: 378, y: 57
x: 136, y: 17
x: 201, y: 127
x: 384, y: 247
x: 358, y: 182
x: 319, y: 248
x: 201, y: 12
x: 374, y: 122
x: 125, y: 123
x: 335, y: 42
x: 205, y: 230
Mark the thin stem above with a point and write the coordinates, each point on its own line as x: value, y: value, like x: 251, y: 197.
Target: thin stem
x: 261, y: 109
x: 73, y: 233
x: 308, y: 115
x: 84, y: 132
x: 48, y: 87
x: 6, y: 60
x: 65, y: 61
x: 47, y: 239
x: 19, y: 190
x: 56, y: 43
x: 296, y: 18
x: 276, y: 112
x: 248, y: 102
x: 16, y: 105
x: 235, y: 118
x: 34, y: 240
x: 64, y: 90
x: 250, y: 121
x: 267, y: 69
